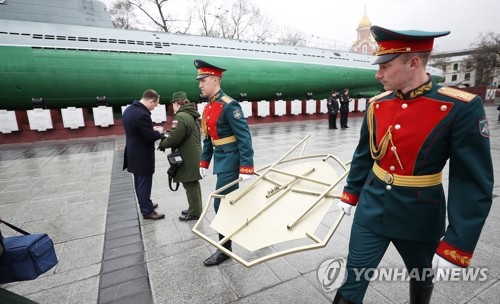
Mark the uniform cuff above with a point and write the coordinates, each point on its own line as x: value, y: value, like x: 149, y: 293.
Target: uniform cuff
x: 246, y: 169
x: 453, y: 255
x: 349, y: 198
x: 204, y: 164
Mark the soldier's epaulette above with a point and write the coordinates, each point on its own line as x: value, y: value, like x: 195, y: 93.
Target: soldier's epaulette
x: 381, y: 95
x: 226, y: 99
x: 457, y: 94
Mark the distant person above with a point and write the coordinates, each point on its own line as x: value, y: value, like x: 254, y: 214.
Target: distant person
x: 344, y: 108
x: 409, y: 134
x: 332, y: 105
x: 139, y: 155
x: 184, y: 136
x: 226, y: 137
x: 498, y: 108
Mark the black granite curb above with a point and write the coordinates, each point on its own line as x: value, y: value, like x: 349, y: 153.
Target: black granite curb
x: 124, y: 273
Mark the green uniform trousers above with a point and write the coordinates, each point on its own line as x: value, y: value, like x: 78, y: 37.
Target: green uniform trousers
x: 366, y: 250
x: 193, y: 193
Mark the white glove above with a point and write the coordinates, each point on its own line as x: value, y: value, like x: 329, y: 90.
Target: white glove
x: 439, y: 266
x: 245, y: 177
x: 345, y: 206
x: 203, y: 172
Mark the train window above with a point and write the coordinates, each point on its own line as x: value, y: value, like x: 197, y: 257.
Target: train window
x: 61, y: 37
x: 112, y: 40
x: 83, y: 39
x: 37, y: 36
x: 121, y: 41
x: 130, y: 41
x: 103, y: 40
x: 93, y: 39
x: 149, y: 43
x: 72, y: 38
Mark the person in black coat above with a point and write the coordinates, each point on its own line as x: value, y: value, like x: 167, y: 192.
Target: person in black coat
x: 332, y: 105
x: 139, y: 154
x: 344, y: 108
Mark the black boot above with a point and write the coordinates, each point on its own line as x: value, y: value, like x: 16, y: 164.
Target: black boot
x: 420, y: 294
x: 340, y: 299
x: 218, y: 256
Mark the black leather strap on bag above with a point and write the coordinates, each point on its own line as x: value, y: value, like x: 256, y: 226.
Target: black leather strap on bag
x: 170, y: 181
x: 14, y: 228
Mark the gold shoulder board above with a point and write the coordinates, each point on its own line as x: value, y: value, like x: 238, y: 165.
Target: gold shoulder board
x: 380, y: 96
x: 457, y: 94
x: 226, y: 99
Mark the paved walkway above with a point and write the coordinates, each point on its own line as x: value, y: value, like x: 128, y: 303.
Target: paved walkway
x: 76, y: 192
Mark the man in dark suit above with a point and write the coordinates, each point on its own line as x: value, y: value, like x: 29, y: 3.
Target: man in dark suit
x: 332, y: 105
x: 226, y: 137
x: 139, y: 155
x: 395, y: 178
x: 344, y: 108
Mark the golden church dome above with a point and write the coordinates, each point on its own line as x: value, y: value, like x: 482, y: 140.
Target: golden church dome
x: 365, y: 22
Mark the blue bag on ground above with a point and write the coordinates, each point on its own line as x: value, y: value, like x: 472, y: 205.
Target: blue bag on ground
x: 25, y: 257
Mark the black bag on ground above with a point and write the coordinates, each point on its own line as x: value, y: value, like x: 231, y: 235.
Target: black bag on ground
x: 25, y: 257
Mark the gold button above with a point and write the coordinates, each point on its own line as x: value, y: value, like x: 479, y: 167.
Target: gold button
x: 388, y: 187
x: 389, y: 178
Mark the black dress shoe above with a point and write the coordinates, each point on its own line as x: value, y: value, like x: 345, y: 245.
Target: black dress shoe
x: 153, y: 216
x: 216, y: 258
x: 184, y: 212
x: 188, y: 217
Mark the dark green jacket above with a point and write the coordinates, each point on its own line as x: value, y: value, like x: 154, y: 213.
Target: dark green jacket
x: 185, y: 134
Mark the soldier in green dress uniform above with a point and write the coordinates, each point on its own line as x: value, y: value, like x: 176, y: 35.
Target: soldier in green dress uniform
x: 407, y: 136
x: 227, y: 139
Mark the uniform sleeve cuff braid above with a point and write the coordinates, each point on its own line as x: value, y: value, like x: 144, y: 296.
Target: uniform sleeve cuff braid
x: 246, y: 170
x: 349, y: 198
x: 453, y: 255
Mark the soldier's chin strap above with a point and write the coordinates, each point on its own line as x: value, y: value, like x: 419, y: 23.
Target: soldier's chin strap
x: 380, y: 151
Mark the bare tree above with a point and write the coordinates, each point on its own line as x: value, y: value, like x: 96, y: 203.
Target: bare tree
x: 122, y: 15
x: 207, y: 21
x: 293, y: 38
x: 157, y: 13
x: 485, y: 58
x: 262, y: 29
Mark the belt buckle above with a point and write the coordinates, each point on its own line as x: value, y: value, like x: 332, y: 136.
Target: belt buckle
x: 389, y: 178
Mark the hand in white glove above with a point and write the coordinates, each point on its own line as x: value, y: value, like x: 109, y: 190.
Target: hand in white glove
x: 203, y: 172
x: 439, y: 266
x: 345, y: 206
x: 245, y: 177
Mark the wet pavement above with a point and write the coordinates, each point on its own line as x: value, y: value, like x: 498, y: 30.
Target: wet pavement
x: 76, y: 192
